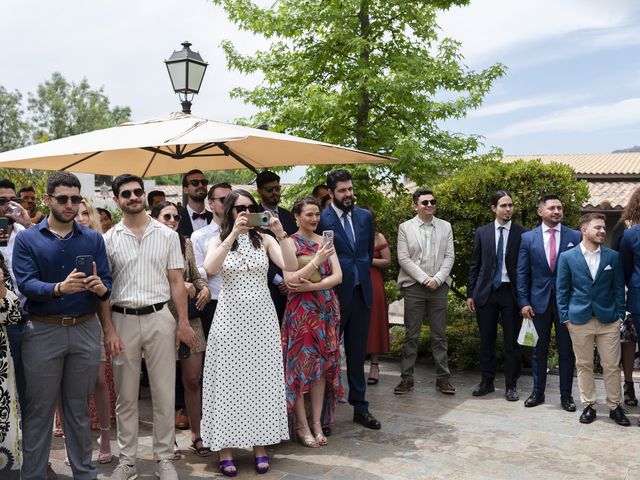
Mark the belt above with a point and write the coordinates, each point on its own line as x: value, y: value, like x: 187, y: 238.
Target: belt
x: 65, y: 321
x: 138, y: 311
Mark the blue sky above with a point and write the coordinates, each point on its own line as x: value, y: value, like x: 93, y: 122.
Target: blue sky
x: 572, y: 86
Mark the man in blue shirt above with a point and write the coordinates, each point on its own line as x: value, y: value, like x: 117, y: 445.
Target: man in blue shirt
x: 61, y: 346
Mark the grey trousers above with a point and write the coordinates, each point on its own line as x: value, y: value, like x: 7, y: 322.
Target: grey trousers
x: 59, y: 362
x: 419, y: 300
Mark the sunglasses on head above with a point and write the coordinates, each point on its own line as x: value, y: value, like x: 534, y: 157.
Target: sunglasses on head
x: 167, y: 216
x: 426, y: 203
x: 275, y: 188
x: 245, y: 208
x: 4, y: 201
x: 194, y: 183
x: 63, y: 199
x: 138, y: 192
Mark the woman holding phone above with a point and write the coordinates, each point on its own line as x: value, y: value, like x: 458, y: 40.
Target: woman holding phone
x: 311, y: 327
x: 190, y: 360
x: 243, y: 390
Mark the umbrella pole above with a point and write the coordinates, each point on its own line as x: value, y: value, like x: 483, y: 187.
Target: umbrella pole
x: 228, y: 151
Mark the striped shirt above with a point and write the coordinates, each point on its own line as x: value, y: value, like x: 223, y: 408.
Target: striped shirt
x: 140, y: 268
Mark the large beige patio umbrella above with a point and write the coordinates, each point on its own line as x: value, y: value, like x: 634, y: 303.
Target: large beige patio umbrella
x: 178, y: 144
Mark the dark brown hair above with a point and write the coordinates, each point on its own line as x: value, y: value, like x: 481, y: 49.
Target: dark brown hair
x: 631, y: 213
x: 228, y: 221
x: 302, y: 202
x: 588, y: 217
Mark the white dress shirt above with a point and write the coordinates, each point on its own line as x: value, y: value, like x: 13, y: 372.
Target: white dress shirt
x: 592, y: 259
x: 505, y: 235
x: 546, y: 238
x: 200, y: 240
x: 197, y: 223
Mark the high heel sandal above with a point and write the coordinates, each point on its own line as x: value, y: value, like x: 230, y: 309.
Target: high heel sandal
x: 630, y: 394
x: 260, y: 460
x: 373, y: 379
x: 104, y: 457
x: 225, y: 467
x: 319, y: 436
x: 306, y: 440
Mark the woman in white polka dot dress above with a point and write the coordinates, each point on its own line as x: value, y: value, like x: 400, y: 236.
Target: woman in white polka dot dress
x: 243, y: 402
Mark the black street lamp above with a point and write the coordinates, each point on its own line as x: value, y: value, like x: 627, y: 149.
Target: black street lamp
x: 186, y: 71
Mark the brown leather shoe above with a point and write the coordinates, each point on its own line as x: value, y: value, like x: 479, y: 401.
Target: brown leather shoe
x: 443, y: 385
x: 182, y: 421
x: 405, y: 386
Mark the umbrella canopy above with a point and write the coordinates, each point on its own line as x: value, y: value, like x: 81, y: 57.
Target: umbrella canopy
x: 176, y: 145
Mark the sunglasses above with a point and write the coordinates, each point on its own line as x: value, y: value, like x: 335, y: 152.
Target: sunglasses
x: 63, y: 199
x: 426, y: 203
x: 194, y: 183
x: 244, y: 208
x: 4, y: 201
x: 167, y: 217
x: 275, y: 188
x: 220, y: 199
x: 138, y: 192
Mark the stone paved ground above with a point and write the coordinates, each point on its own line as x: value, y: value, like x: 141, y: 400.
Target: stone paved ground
x: 426, y: 435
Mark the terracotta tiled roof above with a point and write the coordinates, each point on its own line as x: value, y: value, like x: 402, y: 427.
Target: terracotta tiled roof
x: 610, y: 195
x: 591, y: 163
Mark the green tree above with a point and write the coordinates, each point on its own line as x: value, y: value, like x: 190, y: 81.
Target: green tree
x: 60, y: 108
x: 234, y: 177
x: 368, y: 74
x: 13, y: 128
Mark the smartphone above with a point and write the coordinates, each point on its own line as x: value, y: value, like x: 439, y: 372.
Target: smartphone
x: 327, y: 237
x: 184, y: 351
x: 258, y: 219
x: 84, y: 264
x: 4, y: 225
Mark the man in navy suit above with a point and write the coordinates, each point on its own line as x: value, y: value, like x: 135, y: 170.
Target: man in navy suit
x: 354, y: 236
x: 536, y: 284
x: 590, y: 293
x: 492, y: 294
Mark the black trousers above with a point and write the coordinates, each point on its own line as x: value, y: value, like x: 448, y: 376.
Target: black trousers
x: 354, y: 325
x: 501, y: 307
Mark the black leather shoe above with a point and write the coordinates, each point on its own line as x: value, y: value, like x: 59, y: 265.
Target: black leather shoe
x: 326, y: 431
x: 483, y: 389
x: 618, y: 416
x: 534, y: 399
x: 588, y: 415
x: 567, y: 403
x: 367, y: 420
x: 512, y: 394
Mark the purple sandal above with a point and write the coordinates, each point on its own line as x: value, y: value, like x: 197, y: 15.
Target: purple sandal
x: 224, y: 465
x: 260, y: 460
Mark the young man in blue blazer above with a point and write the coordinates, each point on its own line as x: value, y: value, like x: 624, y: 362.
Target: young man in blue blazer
x: 590, y: 294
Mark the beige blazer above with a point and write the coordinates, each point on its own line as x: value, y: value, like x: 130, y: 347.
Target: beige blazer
x: 410, y: 252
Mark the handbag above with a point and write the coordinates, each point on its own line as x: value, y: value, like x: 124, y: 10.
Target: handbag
x: 192, y: 311
x: 628, y: 332
x: 528, y: 336
x: 303, y: 261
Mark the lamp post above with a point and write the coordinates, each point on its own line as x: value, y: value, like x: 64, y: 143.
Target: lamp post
x: 186, y: 70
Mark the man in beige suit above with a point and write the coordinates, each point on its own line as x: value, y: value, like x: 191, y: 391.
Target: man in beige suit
x: 425, y: 255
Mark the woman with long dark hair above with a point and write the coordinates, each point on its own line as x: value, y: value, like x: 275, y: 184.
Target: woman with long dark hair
x: 243, y: 388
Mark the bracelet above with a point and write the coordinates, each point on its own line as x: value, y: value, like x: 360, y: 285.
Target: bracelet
x: 282, y: 237
x: 56, y: 290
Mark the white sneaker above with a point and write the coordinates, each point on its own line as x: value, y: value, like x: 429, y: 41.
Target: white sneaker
x: 165, y: 470
x: 124, y: 472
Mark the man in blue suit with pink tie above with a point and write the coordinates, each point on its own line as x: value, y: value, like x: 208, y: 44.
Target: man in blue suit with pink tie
x: 536, y: 281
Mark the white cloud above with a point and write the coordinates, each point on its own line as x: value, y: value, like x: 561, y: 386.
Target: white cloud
x: 577, y: 120
x: 524, y: 103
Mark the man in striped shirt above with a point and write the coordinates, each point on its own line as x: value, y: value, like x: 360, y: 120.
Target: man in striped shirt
x: 147, y: 266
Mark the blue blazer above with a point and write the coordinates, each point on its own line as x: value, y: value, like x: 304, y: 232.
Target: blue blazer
x: 630, y: 262
x: 351, y: 258
x: 580, y: 297
x: 535, y: 280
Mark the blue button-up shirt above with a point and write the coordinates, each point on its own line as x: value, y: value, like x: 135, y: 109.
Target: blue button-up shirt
x: 41, y: 259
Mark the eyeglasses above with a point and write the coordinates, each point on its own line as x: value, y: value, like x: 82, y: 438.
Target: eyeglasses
x: 426, y: 203
x: 194, y: 183
x: 245, y: 208
x: 220, y: 199
x: 275, y: 188
x: 167, y: 217
x: 63, y: 199
x: 4, y: 201
x: 138, y: 192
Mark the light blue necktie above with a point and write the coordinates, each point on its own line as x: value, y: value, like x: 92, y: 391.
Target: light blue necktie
x: 497, y: 276
x: 348, y: 229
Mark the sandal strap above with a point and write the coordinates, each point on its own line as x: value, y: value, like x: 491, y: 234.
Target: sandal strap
x: 224, y: 464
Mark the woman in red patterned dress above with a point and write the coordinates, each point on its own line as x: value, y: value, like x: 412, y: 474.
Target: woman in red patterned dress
x: 311, y: 328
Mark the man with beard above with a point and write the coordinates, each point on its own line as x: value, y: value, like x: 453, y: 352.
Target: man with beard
x: 194, y: 216
x: 268, y: 184
x: 147, y: 266
x: 590, y: 295
x: 536, y: 282
x: 354, y: 237
x: 27, y: 197
x: 425, y: 255
x: 61, y: 347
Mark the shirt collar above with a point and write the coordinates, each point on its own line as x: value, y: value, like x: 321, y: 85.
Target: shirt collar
x: 506, y: 226
x: 44, y: 225
x: 192, y: 211
x: 339, y: 212
x: 153, y: 223
x: 587, y: 252
x: 545, y: 228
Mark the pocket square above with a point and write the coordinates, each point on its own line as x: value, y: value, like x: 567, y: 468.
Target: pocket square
x: 608, y: 267
x: 570, y: 245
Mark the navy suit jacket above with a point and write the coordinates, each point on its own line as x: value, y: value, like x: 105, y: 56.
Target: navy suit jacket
x: 351, y: 258
x: 535, y: 280
x: 483, y: 261
x: 581, y: 297
x: 185, y: 227
x: 630, y: 261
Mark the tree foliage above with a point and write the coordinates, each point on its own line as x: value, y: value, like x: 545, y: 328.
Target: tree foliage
x: 234, y: 177
x: 369, y: 74
x: 13, y: 128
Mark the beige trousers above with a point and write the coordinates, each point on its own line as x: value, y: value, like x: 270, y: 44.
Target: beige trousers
x: 155, y: 334
x: 607, y: 339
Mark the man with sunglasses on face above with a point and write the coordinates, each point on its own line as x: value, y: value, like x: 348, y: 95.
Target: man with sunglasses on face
x: 61, y: 346
x: 425, y: 255
x: 147, y: 266
x: 268, y: 184
x: 194, y: 216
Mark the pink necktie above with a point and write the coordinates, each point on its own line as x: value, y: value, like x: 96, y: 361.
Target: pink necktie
x: 552, y: 249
